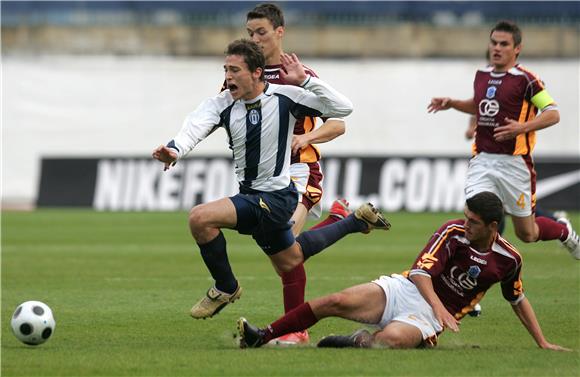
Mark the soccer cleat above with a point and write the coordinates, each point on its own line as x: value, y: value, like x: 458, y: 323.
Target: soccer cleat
x: 213, y: 302
x: 372, y: 217
x: 359, y: 339
x: 250, y: 336
x: 572, y: 243
x: 291, y: 339
x: 340, y: 208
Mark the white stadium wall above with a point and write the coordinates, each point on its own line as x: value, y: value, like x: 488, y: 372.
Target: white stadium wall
x: 121, y: 107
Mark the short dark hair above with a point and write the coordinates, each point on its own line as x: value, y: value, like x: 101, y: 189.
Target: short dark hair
x: 486, y: 205
x: 509, y: 27
x: 268, y: 11
x: 251, y: 52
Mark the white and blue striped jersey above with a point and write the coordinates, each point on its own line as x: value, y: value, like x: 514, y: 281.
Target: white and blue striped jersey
x: 260, y: 130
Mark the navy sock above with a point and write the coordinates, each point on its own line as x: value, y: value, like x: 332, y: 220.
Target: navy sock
x: 314, y: 241
x: 215, y: 258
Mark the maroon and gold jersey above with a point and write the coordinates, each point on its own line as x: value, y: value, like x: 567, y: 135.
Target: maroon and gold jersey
x: 307, y: 154
x: 461, y: 275
x: 516, y: 94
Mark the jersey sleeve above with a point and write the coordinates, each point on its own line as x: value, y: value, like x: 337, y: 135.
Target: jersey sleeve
x: 512, y: 288
x: 197, y: 126
x: 432, y: 259
x: 317, y: 98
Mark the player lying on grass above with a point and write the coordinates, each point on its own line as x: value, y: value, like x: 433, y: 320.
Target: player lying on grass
x: 461, y: 261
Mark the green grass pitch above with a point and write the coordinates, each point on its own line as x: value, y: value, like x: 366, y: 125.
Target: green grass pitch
x: 121, y: 286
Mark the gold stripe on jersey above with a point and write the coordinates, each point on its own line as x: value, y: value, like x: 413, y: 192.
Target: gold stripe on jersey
x: 521, y: 146
x: 310, y: 153
x: 428, y: 259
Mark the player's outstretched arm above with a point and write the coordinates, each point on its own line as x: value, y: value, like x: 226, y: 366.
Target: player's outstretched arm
x: 445, y: 103
x: 525, y: 313
x: 166, y: 155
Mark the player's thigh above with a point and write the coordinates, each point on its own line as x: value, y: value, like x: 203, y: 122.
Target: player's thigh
x: 517, y: 187
x: 364, y: 303
x: 399, y: 335
x: 479, y: 177
x: 220, y: 213
x: 299, y: 218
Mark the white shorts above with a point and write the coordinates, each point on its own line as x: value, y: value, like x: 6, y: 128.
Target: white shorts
x: 405, y: 304
x: 300, y: 175
x: 507, y: 176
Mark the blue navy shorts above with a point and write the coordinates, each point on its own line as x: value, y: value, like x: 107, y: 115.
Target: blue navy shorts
x: 266, y: 216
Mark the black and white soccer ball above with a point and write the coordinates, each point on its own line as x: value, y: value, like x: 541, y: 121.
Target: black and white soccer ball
x: 33, y: 323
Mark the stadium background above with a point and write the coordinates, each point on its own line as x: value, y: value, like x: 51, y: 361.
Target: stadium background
x: 84, y: 81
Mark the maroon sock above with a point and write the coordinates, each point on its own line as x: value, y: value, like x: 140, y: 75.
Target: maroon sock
x: 329, y: 220
x: 297, y: 319
x: 294, y: 285
x: 551, y: 230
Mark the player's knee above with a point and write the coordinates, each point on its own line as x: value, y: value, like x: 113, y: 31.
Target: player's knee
x: 197, y: 219
x: 335, y: 303
x: 394, y: 338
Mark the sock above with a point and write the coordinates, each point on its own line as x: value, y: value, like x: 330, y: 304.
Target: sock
x: 314, y: 241
x: 551, y: 230
x: 542, y: 213
x: 298, y: 319
x: 215, y: 258
x: 294, y: 285
x: 329, y: 220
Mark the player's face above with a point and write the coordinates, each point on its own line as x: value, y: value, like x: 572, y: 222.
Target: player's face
x: 266, y: 36
x: 241, y: 82
x: 475, y: 229
x: 502, y: 52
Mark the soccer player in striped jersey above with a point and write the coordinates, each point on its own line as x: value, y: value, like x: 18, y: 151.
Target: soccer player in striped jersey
x: 259, y: 119
x: 265, y: 26
x: 506, y: 101
x: 461, y: 261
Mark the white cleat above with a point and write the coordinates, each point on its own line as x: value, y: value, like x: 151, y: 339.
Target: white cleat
x: 572, y: 243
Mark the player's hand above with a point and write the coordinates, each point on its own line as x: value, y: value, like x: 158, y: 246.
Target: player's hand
x: 166, y: 155
x: 439, y: 103
x: 508, y: 131
x: 299, y: 142
x: 554, y: 347
x: 446, y: 320
x: 293, y: 72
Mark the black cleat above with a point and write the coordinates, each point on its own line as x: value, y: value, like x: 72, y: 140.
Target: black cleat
x: 359, y: 339
x: 250, y: 336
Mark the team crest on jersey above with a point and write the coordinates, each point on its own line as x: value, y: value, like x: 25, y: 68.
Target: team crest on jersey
x: 473, y: 272
x: 491, y: 92
x: 254, y: 116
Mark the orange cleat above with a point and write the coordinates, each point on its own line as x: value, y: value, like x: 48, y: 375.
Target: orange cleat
x: 291, y: 339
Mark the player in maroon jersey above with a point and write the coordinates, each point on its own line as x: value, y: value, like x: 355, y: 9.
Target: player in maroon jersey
x: 265, y: 26
x: 506, y: 101
x: 461, y: 261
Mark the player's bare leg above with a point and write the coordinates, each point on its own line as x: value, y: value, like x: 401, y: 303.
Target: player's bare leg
x: 398, y: 335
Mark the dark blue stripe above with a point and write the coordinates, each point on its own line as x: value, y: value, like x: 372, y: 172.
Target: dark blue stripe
x: 225, y: 123
x: 284, y: 106
x: 171, y: 144
x: 253, y: 142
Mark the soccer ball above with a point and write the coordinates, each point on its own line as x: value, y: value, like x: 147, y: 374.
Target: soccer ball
x: 32, y: 323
